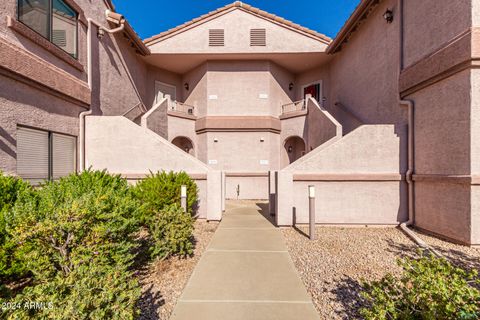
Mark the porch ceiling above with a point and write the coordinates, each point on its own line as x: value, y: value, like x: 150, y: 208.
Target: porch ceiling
x: 294, y: 62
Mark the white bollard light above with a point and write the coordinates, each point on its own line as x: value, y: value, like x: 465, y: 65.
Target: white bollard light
x: 183, y: 197
x: 311, y: 211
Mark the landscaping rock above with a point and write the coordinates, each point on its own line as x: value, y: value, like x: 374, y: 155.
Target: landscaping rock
x: 333, y: 266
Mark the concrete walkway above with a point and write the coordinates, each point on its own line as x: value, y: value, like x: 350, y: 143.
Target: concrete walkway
x: 246, y: 273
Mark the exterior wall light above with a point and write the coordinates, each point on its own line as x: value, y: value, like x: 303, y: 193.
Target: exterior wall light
x: 215, y: 140
x: 262, y: 139
x: 388, y: 16
x: 290, y: 149
x: 186, y: 86
x: 290, y: 86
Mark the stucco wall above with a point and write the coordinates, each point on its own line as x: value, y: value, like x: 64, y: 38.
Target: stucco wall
x: 24, y: 105
x: 364, y: 74
x: 439, y: 22
x: 444, y: 145
x: 251, y: 188
x: 121, y: 146
x: 197, y: 93
x: 368, y: 149
x: 352, y: 202
x: 181, y: 127
x: 322, y: 126
x: 238, y: 88
x: 242, y: 151
x: 156, y: 118
x: 237, y: 25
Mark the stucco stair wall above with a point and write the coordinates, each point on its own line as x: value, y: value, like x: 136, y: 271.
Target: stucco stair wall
x: 122, y: 147
x: 359, y: 179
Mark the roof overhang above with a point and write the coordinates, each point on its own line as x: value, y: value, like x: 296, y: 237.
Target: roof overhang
x: 295, y: 62
x: 238, y: 5
x: 360, y: 14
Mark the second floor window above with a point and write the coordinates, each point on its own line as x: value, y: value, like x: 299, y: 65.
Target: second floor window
x: 53, y: 19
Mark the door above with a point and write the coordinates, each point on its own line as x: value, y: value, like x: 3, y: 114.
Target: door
x: 163, y: 89
x: 314, y: 90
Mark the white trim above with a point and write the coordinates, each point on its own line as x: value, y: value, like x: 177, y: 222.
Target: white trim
x: 320, y: 82
x: 166, y: 85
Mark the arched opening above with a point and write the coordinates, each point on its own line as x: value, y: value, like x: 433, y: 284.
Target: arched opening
x: 185, y: 144
x: 294, y: 148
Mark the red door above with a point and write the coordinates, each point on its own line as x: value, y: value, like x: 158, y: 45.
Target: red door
x: 314, y: 90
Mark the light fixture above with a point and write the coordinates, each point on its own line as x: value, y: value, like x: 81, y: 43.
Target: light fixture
x: 100, y: 33
x: 388, y: 16
x: 290, y: 86
x: 290, y: 149
x: 215, y: 140
x: 186, y: 86
x: 262, y: 139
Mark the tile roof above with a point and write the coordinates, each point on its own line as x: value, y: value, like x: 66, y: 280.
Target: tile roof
x: 248, y: 8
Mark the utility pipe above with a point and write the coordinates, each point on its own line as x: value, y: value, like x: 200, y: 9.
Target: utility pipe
x: 410, y: 104
x: 111, y: 16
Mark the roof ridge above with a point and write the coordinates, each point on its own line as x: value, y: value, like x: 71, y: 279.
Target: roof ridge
x: 244, y: 6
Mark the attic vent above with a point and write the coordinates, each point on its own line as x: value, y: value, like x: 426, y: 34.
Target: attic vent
x: 216, y: 38
x: 258, y: 38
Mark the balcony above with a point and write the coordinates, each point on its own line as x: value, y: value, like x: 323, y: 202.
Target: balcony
x: 297, y: 108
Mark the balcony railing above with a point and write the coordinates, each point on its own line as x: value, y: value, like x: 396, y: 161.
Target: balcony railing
x: 294, y: 106
x: 182, y: 108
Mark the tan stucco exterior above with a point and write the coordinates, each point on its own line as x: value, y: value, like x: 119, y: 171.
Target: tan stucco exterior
x: 242, y: 108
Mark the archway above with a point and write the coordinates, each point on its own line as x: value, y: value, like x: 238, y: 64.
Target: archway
x: 185, y: 144
x: 295, y: 148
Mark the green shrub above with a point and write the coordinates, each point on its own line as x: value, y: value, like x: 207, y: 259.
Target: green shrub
x: 79, y: 235
x: 69, y: 222
x: 11, y: 264
x: 89, y: 292
x: 163, y: 189
x: 429, y: 288
x: 172, y: 232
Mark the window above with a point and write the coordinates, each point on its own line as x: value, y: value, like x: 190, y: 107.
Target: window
x: 258, y: 37
x: 53, y: 19
x: 216, y: 37
x: 43, y: 155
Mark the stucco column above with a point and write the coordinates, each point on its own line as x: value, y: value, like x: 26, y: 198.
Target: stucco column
x: 284, y: 203
x: 214, y: 195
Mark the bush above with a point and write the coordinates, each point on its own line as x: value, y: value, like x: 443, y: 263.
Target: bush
x: 429, y: 288
x: 172, y: 232
x: 162, y: 189
x: 93, y: 292
x: 69, y: 222
x: 11, y: 265
x: 78, y: 235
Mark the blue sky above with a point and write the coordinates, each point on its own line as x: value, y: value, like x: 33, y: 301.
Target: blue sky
x: 152, y: 17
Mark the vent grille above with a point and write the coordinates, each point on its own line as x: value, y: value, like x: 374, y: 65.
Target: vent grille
x: 258, y: 38
x: 216, y: 38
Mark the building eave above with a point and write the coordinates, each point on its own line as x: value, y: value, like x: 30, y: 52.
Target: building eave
x: 360, y: 14
x: 247, y: 8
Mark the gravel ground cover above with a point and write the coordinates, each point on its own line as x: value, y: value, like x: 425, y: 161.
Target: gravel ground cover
x: 333, y: 266
x: 163, y: 281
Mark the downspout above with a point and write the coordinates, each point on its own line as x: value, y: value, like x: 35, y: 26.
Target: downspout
x: 101, y: 29
x: 410, y: 104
